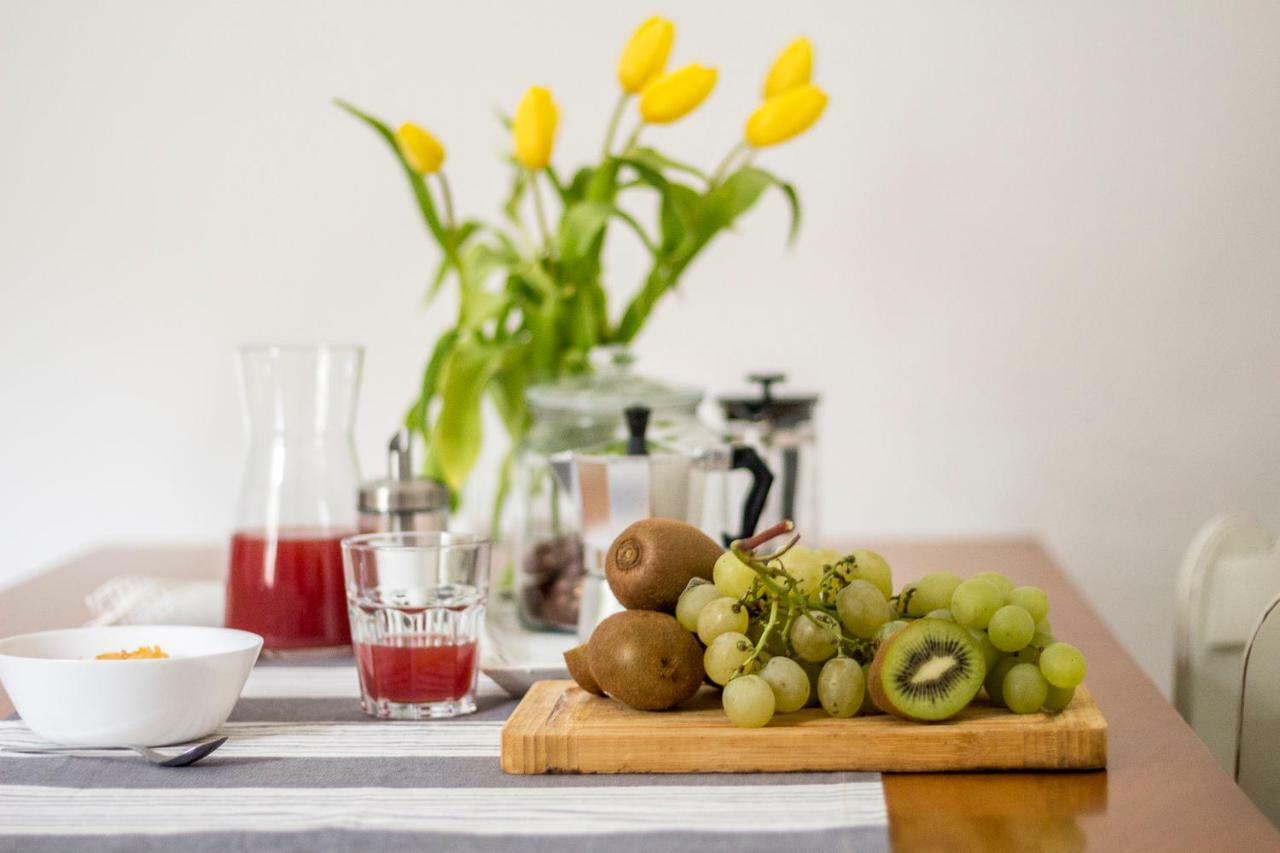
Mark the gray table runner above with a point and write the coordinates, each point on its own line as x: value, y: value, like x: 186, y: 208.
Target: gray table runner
x: 306, y: 770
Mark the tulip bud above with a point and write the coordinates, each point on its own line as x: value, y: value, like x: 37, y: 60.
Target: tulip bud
x: 676, y: 94
x: 786, y: 115
x: 421, y: 150
x: 534, y: 128
x: 645, y: 55
x: 791, y: 68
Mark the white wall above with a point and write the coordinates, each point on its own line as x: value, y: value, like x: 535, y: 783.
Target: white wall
x: 1037, y: 285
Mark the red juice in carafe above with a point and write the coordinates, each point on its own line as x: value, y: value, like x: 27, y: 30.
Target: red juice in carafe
x: 432, y: 669
x: 289, y: 588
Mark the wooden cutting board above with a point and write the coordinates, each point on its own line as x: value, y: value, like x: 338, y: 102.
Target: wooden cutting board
x: 560, y: 728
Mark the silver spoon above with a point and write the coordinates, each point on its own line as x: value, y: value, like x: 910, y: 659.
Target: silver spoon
x: 182, y: 759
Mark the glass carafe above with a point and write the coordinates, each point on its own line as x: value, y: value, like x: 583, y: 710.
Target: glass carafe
x: 297, y: 496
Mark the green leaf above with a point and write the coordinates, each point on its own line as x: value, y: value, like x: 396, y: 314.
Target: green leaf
x: 459, y: 427
x: 417, y: 417
x: 416, y: 184
x: 580, y: 227
x: 793, y: 202
x: 726, y: 201
x: 519, y: 184
x: 659, y: 162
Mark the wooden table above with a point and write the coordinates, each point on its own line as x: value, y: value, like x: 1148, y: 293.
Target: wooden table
x: 1162, y: 790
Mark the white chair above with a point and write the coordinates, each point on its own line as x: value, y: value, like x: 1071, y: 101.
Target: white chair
x: 1257, y: 758
x: 1230, y: 573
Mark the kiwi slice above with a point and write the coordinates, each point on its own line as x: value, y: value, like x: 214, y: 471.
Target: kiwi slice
x: 653, y: 560
x: 580, y: 669
x: 645, y: 659
x: 928, y: 671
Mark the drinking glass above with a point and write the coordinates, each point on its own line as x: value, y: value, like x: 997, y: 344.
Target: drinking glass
x: 416, y: 603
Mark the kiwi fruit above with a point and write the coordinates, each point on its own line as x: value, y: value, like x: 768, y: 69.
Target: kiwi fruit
x: 653, y: 560
x: 645, y: 659
x: 580, y: 669
x: 928, y: 671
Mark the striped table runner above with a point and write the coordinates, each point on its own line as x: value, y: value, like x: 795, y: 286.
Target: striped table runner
x: 306, y: 770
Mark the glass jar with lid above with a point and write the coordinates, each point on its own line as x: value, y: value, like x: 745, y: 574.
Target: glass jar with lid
x: 570, y: 414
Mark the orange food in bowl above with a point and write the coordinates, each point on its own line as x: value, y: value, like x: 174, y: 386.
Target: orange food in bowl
x: 140, y: 653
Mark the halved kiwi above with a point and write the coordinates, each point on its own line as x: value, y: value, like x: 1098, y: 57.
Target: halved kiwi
x: 653, y: 560
x: 928, y: 671
x: 580, y: 669
x: 645, y: 659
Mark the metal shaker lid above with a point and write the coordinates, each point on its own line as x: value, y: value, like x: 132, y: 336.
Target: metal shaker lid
x: 401, y: 491
x: 781, y: 410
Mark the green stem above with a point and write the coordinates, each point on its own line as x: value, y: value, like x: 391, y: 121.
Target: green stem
x: 446, y: 196
x: 724, y: 164
x: 633, y: 138
x: 614, y: 120
x: 764, y: 636
x: 540, y: 212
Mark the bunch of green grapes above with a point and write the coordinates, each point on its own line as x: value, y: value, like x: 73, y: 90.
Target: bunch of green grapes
x: 800, y: 627
x: 795, y: 628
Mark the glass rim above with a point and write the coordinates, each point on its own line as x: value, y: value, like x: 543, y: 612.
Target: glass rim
x: 415, y: 540
x: 272, y: 349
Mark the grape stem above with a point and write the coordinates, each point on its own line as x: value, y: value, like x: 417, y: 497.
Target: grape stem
x: 762, y: 537
x: 764, y: 636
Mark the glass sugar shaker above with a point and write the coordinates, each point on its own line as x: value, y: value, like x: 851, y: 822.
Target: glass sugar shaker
x: 781, y: 429
x: 403, y: 502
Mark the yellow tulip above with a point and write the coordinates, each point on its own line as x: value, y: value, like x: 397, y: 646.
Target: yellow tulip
x: 534, y: 128
x: 676, y: 94
x: 791, y: 69
x: 786, y: 115
x: 423, y: 151
x: 645, y: 55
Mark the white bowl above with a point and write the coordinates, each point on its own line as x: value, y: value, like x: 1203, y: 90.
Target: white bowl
x: 67, y: 697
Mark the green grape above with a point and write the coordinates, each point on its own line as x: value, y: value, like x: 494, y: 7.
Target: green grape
x: 869, y: 566
x: 1043, y: 627
x: 1032, y: 599
x: 975, y: 601
x: 1000, y: 582
x: 720, y: 616
x: 805, y: 565
x: 990, y: 654
x: 933, y: 592
x: 868, y: 707
x: 811, y: 670
x: 790, y: 684
x: 732, y: 576
x: 888, y: 629
x: 1024, y: 689
x: 748, y: 701
x: 814, y: 636
x: 1027, y: 654
x: 942, y: 613
x: 1063, y: 665
x: 692, y: 600
x: 862, y: 608
x: 994, y: 681
x: 1059, y: 698
x: 1010, y: 628
x: 726, y: 653
x: 1041, y: 640
x: 841, y: 687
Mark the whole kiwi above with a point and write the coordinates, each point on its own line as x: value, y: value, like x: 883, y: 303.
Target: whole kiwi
x: 580, y: 669
x: 653, y: 560
x: 645, y: 659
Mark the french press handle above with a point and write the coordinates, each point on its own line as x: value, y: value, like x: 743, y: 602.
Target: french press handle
x: 744, y: 456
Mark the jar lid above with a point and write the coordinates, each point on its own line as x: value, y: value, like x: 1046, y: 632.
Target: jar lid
x: 420, y: 495
x: 785, y: 410
x: 610, y: 389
